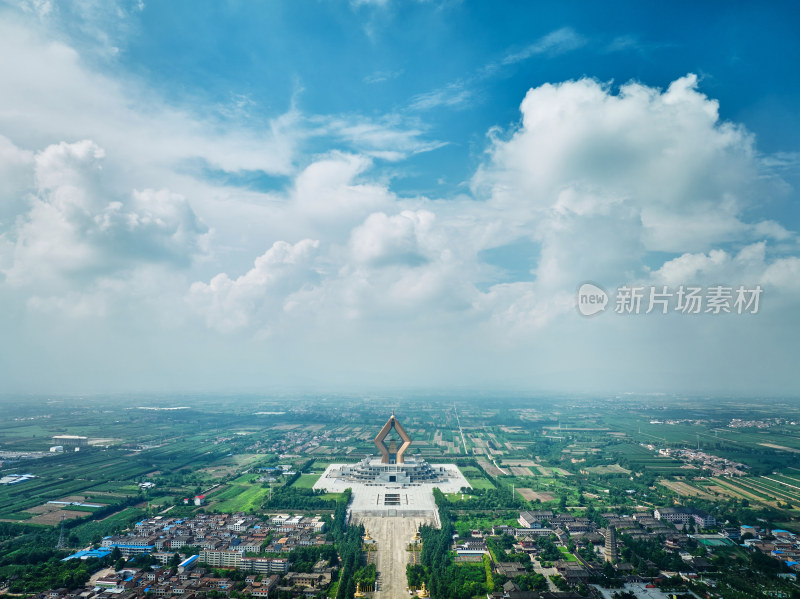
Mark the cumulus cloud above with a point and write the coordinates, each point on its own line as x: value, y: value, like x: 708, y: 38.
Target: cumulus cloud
x: 77, y: 227
x: 601, y: 180
x: 749, y: 266
x: 16, y: 179
x: 406, y: 264
x: 384, y: 240
x: 256, y: 297
x: 688, y: 175
x: 328, y: 190
x: 598, y: 180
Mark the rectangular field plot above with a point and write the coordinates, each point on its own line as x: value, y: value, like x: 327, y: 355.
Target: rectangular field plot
x: 490, y: 468
x: 520, y: 471
x: 240, y: 498
x: 480, y: 483
x: 531, y: 495
x: 685, y: 489
x: 306, y: 481
x: 609, y: 469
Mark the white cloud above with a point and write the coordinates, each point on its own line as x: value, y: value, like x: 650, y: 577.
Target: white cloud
x: 16, y: 179
x: 381, y: 76
x: 556, y: 42
x: 750, y: 266
x: 385, y: 240
x: 77, y: 227
x: 665, y: 155
x: 452, y: 95
x: 232, y: 304
x: 121, y: 114
x: 597, y: 179
x: 390, y: 138
x: 327, y: 190
x: 555, y: 181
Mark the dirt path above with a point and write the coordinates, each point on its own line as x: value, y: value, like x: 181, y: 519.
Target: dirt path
x: 392, y: 536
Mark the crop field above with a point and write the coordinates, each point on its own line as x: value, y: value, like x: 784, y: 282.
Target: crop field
x: 240, y: 498
x: 520, y: 471
x: 766, y: 490
x: 528, y: 463
x: 531, y: 495
x: 610, y: 469
x: 640, y: 459
x: 306, y: 481
x: 480, y: 483
x: 685, y: 489
x: 490, y: 468
x: 54, y: 517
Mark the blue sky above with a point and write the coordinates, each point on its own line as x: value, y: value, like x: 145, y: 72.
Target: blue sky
x: 245, y: 195
x: 460, y: 68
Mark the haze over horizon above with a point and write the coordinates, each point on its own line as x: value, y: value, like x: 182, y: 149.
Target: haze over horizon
x: 202, y: 196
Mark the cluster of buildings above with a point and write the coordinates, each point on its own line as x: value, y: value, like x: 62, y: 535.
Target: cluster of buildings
x: 270, y: 474
x: 134, y: 583
x: 582, y: 530
x: 663, y: 522
x: 777, y: 543
x: 301, y: 442
x: 192, y: 581
x: 673, y: 421
x: 13, y: 479
x: 187, y: 583
x: 222, y: 538
x: 763, y: 423
x: 235, y: 541
x: 12, y: 458
x: 717, y: 465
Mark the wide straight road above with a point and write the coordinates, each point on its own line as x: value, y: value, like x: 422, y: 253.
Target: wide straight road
x: 392, y: 536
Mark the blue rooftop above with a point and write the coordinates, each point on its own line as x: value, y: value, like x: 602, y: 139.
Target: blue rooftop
x: 188, y: 561
x: 87, y: 553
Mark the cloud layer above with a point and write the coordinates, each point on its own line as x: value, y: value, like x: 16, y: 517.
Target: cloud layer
x: 112, y: 228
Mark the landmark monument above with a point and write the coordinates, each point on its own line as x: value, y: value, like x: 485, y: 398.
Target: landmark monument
x: 391, y: 454
x: 392, y: 496
x: 394, y: 483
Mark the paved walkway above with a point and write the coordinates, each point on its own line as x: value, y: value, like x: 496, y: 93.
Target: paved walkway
x: 546, y: 572
x: 392, y: 536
